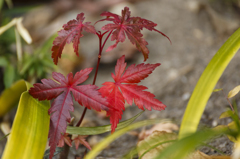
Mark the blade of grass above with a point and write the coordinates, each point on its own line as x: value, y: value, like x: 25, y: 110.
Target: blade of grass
x: 10, y: 97
x: 29, y: 133
x: 9, y: 75
x: 99, y: 129
x: 18, y: 45
x: 188, y: 144
x: 7, y: 26
x: 152, y: 147
x: 206, y: 84
x: 9, y: 3
x: 103, y: 144
x: 1, y: 4
x: 23, y: 31
x: 131, y: 154
x: 4, y: 136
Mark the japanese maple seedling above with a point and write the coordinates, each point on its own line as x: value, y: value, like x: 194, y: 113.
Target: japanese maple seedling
x: 111, y: 96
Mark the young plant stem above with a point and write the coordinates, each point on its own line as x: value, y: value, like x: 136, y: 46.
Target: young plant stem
x: 229, y: 102
x: 81, y: 119
x: 101, y: 46
x: 64, y: 153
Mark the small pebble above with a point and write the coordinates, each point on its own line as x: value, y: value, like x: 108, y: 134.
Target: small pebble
x: 185, y: 96
x: 194, y: 6
x: 93, y: 140
x: 214, y: 123
x: 198, y: 33
x: 222, y: 145
x: 172, y: 74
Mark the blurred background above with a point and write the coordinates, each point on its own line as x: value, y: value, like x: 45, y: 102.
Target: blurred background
x: 197, y: 29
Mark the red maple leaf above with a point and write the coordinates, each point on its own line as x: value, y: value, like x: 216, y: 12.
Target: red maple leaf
x: 125, y: 88
x: 130, y: 26
x: 71, y: 32
x: 81, y: 139
x: 60, y: 89
x: 64, y: 139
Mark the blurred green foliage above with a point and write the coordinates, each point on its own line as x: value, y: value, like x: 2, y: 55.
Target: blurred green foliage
x: 39, y: 64
x: 34, y: 65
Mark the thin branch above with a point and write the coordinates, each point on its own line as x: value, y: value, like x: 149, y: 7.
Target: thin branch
x: 101, y: 46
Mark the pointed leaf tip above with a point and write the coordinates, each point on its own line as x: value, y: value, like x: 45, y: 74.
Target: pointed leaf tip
x: 71, y: 32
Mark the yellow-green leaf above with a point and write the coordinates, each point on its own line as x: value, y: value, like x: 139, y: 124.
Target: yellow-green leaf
x: 181, y: 148
x: 103, y: 144
x: 100, y: 129
x: 30, y: 128
x: 234, y: 91
x: 9, y: 75
x: 7, y: 26
x: 20, y: 28
x: 217, y: 90
x: 10, y: 97
x: 23, y: 31
x: 226, y: 114
x: 206, y: 84
x: 155, y: 143
x: 236, y: 154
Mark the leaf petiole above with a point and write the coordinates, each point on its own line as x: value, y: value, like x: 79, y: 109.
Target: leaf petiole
x: 101, y: 46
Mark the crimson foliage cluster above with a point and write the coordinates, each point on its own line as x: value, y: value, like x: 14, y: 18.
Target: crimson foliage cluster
x: 111, y: 96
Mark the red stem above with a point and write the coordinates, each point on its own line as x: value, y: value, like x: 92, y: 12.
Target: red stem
x: 81, y: 119
x: 106, y: 39
x: 99, y: 57
x: 100, y: 36
x: 229, y: 102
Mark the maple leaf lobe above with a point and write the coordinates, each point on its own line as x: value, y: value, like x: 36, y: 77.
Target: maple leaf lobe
x: 125, y: 88
x: 81, y: 139
x: 126, y: 25
x: 65, y: 139
x: 71, y: 32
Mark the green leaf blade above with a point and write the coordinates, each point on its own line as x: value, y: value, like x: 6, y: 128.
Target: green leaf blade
x: 29, y: 133
x: 206, y: 84
x: 99, y: 129
x: 10, y: 97
x: 181, y: 148
x: 9, y: 75
x: 104, y: 143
